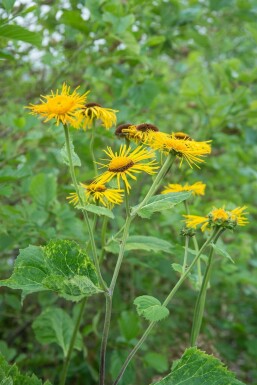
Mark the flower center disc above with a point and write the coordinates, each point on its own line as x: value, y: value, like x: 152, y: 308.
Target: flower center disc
x: 120, y: 164
x: 61, y: 105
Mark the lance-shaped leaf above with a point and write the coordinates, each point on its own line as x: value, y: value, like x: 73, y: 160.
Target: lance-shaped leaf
x: 198, y: 368
x: 16, y: 32
x: 99, y: 210
x: 10, y: 375
x: 54, y: 325
x: 150, y: 308
x: 161, y: 202
x: 61, y: 266
x: 142, y: 242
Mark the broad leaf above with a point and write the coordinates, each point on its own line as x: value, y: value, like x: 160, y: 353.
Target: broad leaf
x: 43, y: 190
x: 142, y: 242
x: 221, y: 252
x: 54, y: 325
x: 75, y: 158
x: 17, y: 32
x: 61, y: 266
x: 198, y: 368
x: 157, y: 361
x: 10, y: 375
x: 150, y: 308
x: 162, y: 202
x: 99, y: 210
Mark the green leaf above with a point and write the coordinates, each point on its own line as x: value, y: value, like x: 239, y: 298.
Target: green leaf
x: 156, y: 40
x: 54, y: 325
x: 177, y: 267
x: 162, y: 202
x: 10, y: 375
x: 16, y: 32
x: 129, y: 325
x: 75, y: 158
x: 117, y: 359
x: 43, y: 189
x: 74, y: 20
x: 142, y: 242
x: 222, y: 252
x: 99, y: 210
x: 61, y: 266
x: 157, y: 361
x: 8, y: 4
x: 198, y: 368
x: 150, y: 308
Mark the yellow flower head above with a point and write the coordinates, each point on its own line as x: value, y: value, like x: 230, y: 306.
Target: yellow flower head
x: 98, y: 193
x: 92, y: 111
x: 62, y: 107
x: 218, y: 217
x: 137, y: 133
x: 127, y: 163
x: 188, y: 149
x: 197, y: 188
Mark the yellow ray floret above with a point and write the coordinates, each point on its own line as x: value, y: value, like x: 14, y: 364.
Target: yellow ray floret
x: 62, y: 107
x: 188, y: 149
x: 93, y: 111
x: 218, y: 217
x: 98, y: 193
x: 197, y: 188
x: 127, y: 162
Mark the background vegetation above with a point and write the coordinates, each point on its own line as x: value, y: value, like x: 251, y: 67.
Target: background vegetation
x: 182, y: 65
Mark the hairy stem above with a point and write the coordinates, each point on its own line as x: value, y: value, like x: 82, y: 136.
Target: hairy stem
x: 91, y: 234
x: 200, y: 303
x: 91, y: 149
x: 165, y: 303
x: 199, y: 268
x: 185, y: 255
x: 125, y: 235
x: 72, y: 343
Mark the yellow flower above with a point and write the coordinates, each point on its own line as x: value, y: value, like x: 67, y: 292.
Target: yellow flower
x: 98, y: 193
x: 197, y: 188
x: 93, y: 111
x: 127, y: 163
x: 137, y: 133
x: 237, y: 215
x: 218, y: 217
x: 188, y: 149
x: 63, y: 106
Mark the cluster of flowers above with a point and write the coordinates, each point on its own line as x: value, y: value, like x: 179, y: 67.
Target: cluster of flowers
x: 72, y: 109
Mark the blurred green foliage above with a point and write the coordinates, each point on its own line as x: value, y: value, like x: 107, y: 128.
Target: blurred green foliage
x: 182, y: 65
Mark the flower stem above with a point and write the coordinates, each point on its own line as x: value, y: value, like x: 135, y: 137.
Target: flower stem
x: 125, y: 235
x: 165, y: 303
x: 72, y: 342
x: 200, y: 303
x: 103, y: 238
x: 199, y: 268
x: 91, y: 234
x: 91, y: 148
x: 185, y: 255
x: 156, y: 183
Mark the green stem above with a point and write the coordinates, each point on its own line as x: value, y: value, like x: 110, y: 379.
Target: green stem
x: 156, y: 184
x: 185, y: 255
x: 103, y: 238
x: 72, y: 342
x: 200, y: 303
x: 165, y: 303
x: 126, y: 201
x: 107, y: 321
x: 91, y: 234
x: 199, y: 268
x: 125, y: 235
x: 91, y: 149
